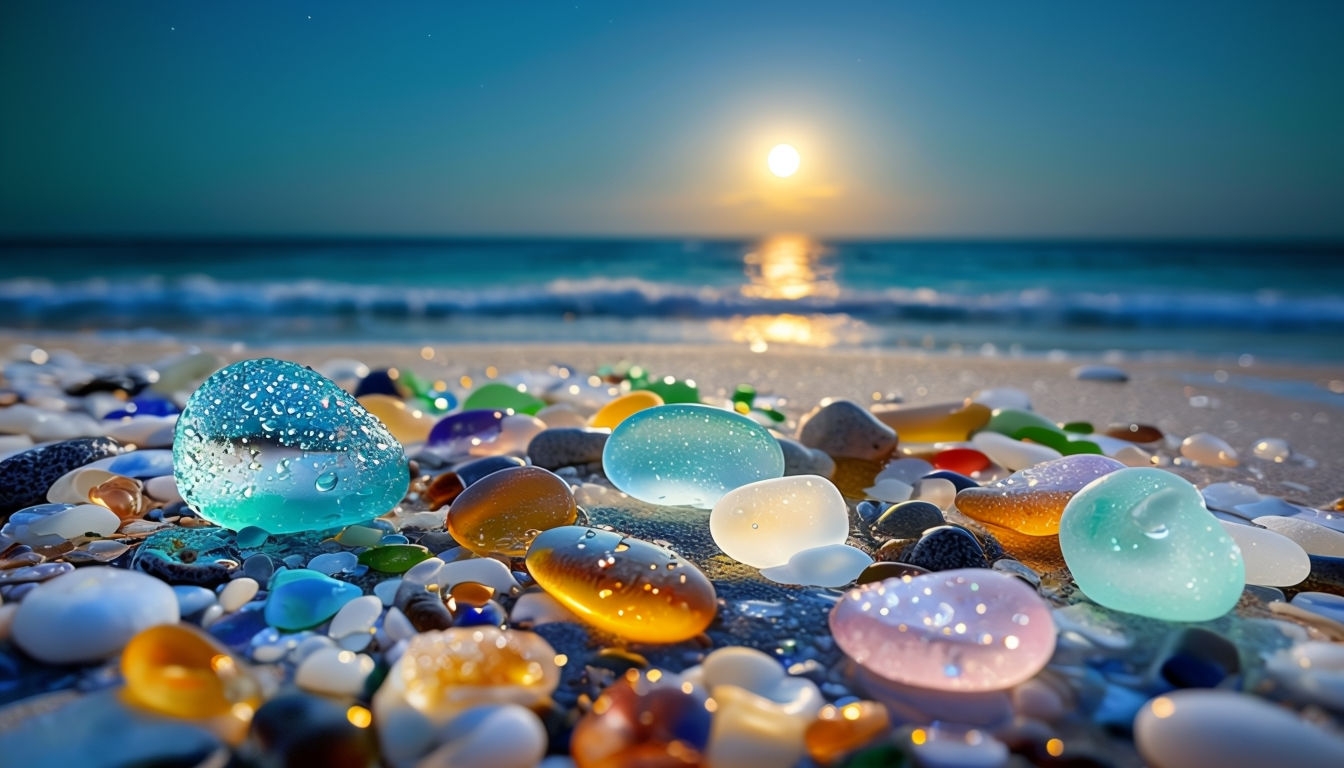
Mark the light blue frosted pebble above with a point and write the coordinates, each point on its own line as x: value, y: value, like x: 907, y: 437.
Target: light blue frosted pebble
x: 303, y: 599
x: 1321, y: 603
x: 387, y: 590
x: 259, y: 567
x: 193, y: 599
x: 333, y: 562
x: 689, y: 455
x: 1140, y: 540
x: 142, y: 464
x: 393, y: 538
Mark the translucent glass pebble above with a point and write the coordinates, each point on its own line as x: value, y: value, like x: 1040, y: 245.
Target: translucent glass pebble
x: 1271, y: 558
x: 625, y: 586
x: 613, y: 413
x: 765, y: 523
x: 1204, y: 448
x: 689, y: 455
x: 179, y: 670
x: 1140, y: 541
x: 500, y: 513
x: 1032, y: 500
x: 272, y: 444
x: 961, y: 630
x: 302, y: 599
x: 940, y: 422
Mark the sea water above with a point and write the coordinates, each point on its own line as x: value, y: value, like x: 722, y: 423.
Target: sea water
x: 1207, y: 299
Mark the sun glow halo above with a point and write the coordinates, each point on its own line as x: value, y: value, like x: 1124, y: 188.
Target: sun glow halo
x: 783, y: 160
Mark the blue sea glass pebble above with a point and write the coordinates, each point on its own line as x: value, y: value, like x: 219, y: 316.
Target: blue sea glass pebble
x: 272, y: 444
x: 689, y: 455
x: 302, y: 599
x: 1141, y: 541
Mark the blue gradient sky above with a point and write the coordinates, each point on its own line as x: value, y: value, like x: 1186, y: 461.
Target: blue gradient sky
x: 1185, y: 119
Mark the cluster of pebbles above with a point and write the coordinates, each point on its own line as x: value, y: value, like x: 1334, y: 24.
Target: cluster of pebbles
x: 274, y: 565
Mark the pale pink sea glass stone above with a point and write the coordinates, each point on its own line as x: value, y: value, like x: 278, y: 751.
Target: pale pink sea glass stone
x: 971, y: 629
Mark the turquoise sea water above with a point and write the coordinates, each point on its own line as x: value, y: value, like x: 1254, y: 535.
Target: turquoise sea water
x: 1219, y: 300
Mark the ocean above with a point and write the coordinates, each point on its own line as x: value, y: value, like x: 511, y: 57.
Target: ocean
x: 1085, y: 299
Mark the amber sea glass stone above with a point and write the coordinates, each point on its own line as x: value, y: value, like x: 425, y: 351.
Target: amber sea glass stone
x: 179, y: 670
x: 501, y: 513
x: 937, y: 423
x: 625, y: 586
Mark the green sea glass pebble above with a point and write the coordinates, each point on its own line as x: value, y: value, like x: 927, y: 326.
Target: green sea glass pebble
x: 1141, y: 541
x: 497, y: 396
x: 271, y: 444
x: 1008, y: 421
x: 393, y: 558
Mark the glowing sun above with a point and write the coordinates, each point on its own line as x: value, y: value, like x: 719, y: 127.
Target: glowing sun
x: 783, y: 161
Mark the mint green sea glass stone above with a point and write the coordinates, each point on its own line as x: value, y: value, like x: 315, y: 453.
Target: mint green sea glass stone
x: 497, y: 396
x: 302, y: 599
x: 689, y: 455
x: 1141, y: 541
x: 1008, y: 421
x: 271, y: 444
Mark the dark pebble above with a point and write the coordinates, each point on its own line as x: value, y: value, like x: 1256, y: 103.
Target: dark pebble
x: 423, y: 609
x: 295, y: 730
x: 870, y: 510
x: 1134, y: 433
x: 566, y: 447
x: 26, y: 476
x: 908, y: 520
x: 1198, y: 658
x: 378, y: 383
x: 884, y: 571
x: 946, y: 547
x: 470, y: 471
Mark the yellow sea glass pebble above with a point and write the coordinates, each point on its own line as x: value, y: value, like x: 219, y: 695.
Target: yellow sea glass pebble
x: 408, y: 425
x: 937, y: 423
x: 840, y: 730
x: 179, y: 670
x: 618, y: 410
x: 622, y: 585
x: 500, y: 513
x: 1032, y: 500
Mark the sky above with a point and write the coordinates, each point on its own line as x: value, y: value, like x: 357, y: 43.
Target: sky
x: 912, y: 119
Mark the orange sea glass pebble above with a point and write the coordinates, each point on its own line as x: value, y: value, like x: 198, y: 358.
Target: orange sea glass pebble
x: 119, y: 494
x: 965, y: 461
x: 649, y: 720
x: 938, y: 423
x: 623, y: 585
x: 1032, y: 500
x: 501, y: 513
x: 408, y: 425
x: 179, y: 670
x: 618, y: 410
x: 840, y: 730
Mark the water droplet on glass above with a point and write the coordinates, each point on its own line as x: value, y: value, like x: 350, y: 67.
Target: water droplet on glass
x: 326, y: 481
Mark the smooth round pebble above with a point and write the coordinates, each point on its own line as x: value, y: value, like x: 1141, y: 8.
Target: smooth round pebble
x: 334, y: 671
x: 1012, y: 454
x: 765, y: 523
x: 1272, y: 559
x: 843, y: 429
x: 1204, y: 448
x: 566, y: 447
x: 961, y: 630
x: 109, y: 605
x: 1199, y: 728
x: 492, y: 736
x: 831, y: 565
x: 1272, y: 449
x: 689, y: 455
x: 238, y: 593
x: 1315, y: 539
x: 356, y: 617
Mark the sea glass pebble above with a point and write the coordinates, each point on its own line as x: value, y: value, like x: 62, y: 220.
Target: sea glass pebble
x: 831, y: 565
x: 91, y: 613
x: 443, y: 672
x: 490, y: 736
x: 625, y: 586
x: 1141, y: 541
x: 623, y: 407
x: 765, y: 523
x: 272, y: 444
x: 1314, y: 538
x: 1271, y: 558
x: 1204, y: 448
x: 393, y: 558
x: 644, y: 719
x: 1013, y: 454
x: 1195, y: 728
x: 302, y: 599
x: 937, y: 423
x: 408, y: 425
x: 961, y: 630
x: 501, y: 513
x: 689, y: 455
x: 458, y: 433
x: 1031, y: 501
x: 333, y: 671
x: 1272, y: 449
x: 178, y: 670
x: 502, y: 397
x: 841, y: 729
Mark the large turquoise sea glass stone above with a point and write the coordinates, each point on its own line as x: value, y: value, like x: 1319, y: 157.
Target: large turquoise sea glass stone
x: 689, y: 455
x: 1141, y: 541
x: 271, y: 444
